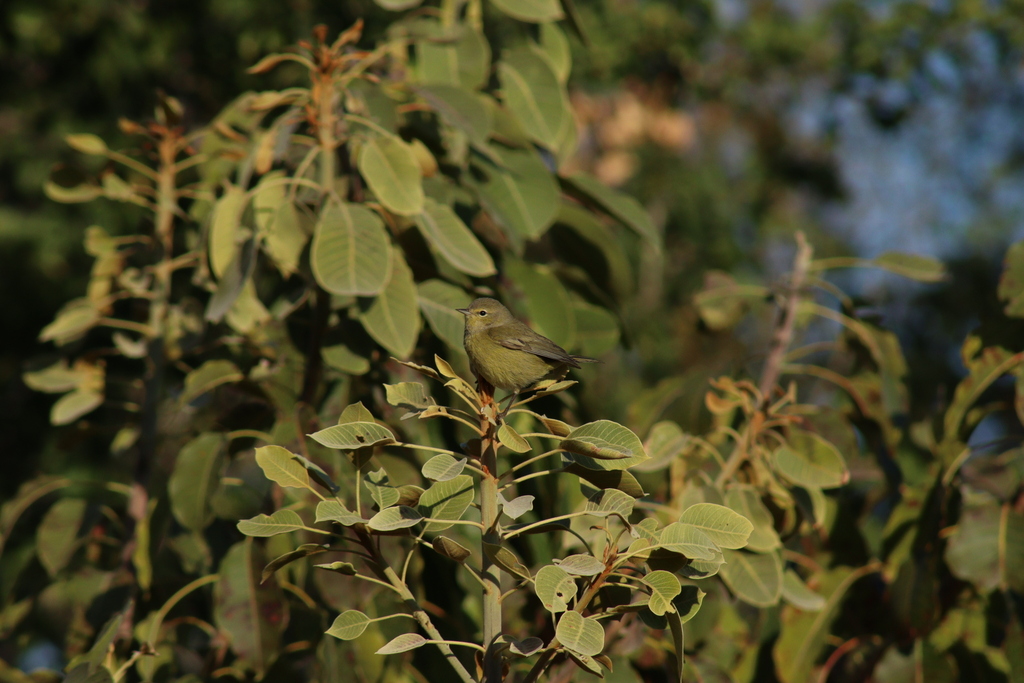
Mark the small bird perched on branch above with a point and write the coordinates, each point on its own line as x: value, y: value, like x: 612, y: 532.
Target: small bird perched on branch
x: 507, y: 354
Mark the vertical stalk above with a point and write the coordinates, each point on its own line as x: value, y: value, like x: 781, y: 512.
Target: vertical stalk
x: 490, y: 573
x: 163, y: 221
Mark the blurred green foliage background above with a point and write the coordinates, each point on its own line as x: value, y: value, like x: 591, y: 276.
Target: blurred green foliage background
x: 868, y: 125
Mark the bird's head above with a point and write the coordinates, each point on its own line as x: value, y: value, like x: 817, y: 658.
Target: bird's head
x: 484, y: 314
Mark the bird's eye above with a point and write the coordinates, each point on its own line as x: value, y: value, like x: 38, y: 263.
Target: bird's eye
x: 483, y: 313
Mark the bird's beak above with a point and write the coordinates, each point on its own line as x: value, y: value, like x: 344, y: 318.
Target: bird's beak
x: 463, y: 311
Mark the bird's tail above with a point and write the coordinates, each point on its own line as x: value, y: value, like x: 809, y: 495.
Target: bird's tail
x: 584, y: 359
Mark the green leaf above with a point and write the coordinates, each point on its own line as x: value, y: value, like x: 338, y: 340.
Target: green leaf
x: 913, y: 266
x: 533, y: 93
x: 688, y: 540
x: 438, y: 301
x: 447, y: 500
x: 281, y: 522
x: 343, y: 568
x: 224, y: 229
x: 351, y: 252
x: 608, y: 479
x: 393, y: 317
x: 74, y: 405
x: 526, y: 647
x: 402, y: 643
x: 352, y: 435
x: 522, y: 197
x: 411, y: 395
x: 664, y: 588
x: 342, y: 358
x: 517, y: 507
x: 604, y: 445
x: 620, y: 206
x: 381, y: 490
x: 460, y: 108
x: 511, y: 440
x: 393, y: 174
x: 304, y: 550
x: 755, y: 579
x: 355, y: 412
x: 335, y: 511
x: 1011, y: 282
x: 394, y: 518
x: 796, y: 592
x: 443, y: 467
x: 209, y: 376
x: 277, y: 223
x: 395, y: 6
x: 809, y: 460
x: 548, y: 306
x: 725, y: 528
x: 74, y: 319
x: 349, y: 625
x: 688, y: 602
x: 196, y: 475
x: 535, y: 11
x: 665, y: 442
x: 556, y: 48
x: 555, y: 588
x: 446, y: 547
x: 87, y: 143
x: 579, y: 634
x: 59, y: 378
x: 597, y: 330
x: 612, y: 501
x: 507, y: 560
x: 746, y: 501
x: 279, y: 465
x: 58, y: 532
x: 581, y: 565
x: 456, y: 243
x: 85, y: 192
x: 252, y: 615
x: 465, y: 62
x: 987, y: 547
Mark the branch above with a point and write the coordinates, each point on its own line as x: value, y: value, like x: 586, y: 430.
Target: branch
x: 784, y: 332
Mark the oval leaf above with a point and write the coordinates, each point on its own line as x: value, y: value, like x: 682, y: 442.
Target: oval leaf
x: 352, y: 435
x: 351, y: 253
x: 664, y: 588
x: 810, y: 460
x: 447, y: 500
x: 604, y: 445
x: 349, y: 625
x: 579, y: 634
x: 534, y: 94
x: 687, y: 540
x: 726, y: 528
x: 393, y: 174
x: 582, y: 565
x: 280, y: 466
x: 393, y: 317
x: 511, y: 440
x: 262, y: 526
x: 755, y: 579
x: 457, y: 244
x: 443, y: 467
x: 555, y: 588
x: 403, y: 643
x: 394, y: 518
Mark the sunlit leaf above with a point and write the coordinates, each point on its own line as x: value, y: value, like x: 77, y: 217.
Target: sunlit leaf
x: 604, y: 445
x: 581, y: 565
x: 281, y: 522
x: 196, y: 475
x: 447, y: 500
x: 208, y: 376
x: 349, y: 625
x: 393, y: 174
x: 755, y: 579
x: 280, y: 466
x: 579, y: 634
x: 664, y: 588
x: 810, y: 460
x: 443, y: 467
x: 352, y: 435
x: 393, y: 317
x: 351, y: 252
x: 402, y: 643
x: 391, y: 519
x: 555, y: 588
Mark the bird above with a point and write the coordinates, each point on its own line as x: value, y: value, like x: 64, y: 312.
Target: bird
x: 507, y: 354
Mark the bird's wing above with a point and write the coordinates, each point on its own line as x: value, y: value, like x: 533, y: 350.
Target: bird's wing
x: 531, y: 342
